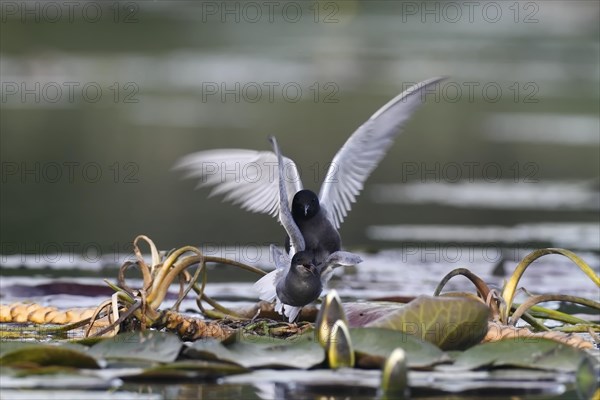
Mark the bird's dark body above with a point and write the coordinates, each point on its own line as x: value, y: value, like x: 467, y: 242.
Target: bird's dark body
x: 320, y: 236
x: 302, y: 284
x: 299, y: 291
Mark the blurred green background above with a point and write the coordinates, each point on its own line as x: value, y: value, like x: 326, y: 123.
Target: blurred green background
x: 99, y: 100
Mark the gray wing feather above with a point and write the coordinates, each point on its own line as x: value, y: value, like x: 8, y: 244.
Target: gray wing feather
x: 361, y: 153
x: 337, y: 259
x: 267, y: 285
x: 247, y: 178
x: 285, y: 215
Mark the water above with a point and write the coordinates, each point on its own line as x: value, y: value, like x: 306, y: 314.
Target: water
x: 502, y: 159
x: 89, y: 172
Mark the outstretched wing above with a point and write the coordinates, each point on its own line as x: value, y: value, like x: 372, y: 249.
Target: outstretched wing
x: 337, y: 259
x: 245, y: 177
x: 285, y: 215
x: 363, y: 151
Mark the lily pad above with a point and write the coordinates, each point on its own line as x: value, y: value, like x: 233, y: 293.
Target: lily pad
x: 364, y: 312
x: 58, y: 381
x: 451, y: 323
x: 261, y: 351
x: 47, y: 355
x: 62, y: 394
x: 374, y: 345
x: 10, y: 346
x: 149, y: 345
x: 536, y: 353
x: 190, y: 369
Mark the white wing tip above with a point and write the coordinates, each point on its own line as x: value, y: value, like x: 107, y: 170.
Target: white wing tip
x: 265, y: 287
x: 412, y: 89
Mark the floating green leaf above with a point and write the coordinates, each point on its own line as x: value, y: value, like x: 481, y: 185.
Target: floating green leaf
x: 149, y: 345
x: 65, y: 378
x: 259, y: 351
x: 450, y: 323
x: 48, y: 355
x: 190, y: 369
x: 363, y: 313
x: 536, y: 353
x: 374, y: 345
x: 79, y: 394
x: 10, y: 346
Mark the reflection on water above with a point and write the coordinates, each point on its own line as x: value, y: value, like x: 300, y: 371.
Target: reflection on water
x: 575, y: 236
x: 494, y: 194
x: 577, y: 130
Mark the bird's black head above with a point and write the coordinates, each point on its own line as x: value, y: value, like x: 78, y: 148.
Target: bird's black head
x: 305, y: 204
x: 303, y: 262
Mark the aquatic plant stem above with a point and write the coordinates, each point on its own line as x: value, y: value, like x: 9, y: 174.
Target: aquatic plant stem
x: 550, y: 297
x: 510, y: 288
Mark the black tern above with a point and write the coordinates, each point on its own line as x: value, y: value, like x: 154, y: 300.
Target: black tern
x: 297, y: 282
x: 250, y: 178
x: 320, y: 236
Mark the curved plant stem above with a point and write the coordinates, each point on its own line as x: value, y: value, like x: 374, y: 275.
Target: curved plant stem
x: 192, y: 283
x: 508, y: 293
x: 153, y: 250
x: 93, y: 318
x: 546, y: 313
x: 534, y: 322
x: 126, y: 314
x: 220, y: 308
x: 550, y: 297
x: 582, y: 328
x: 121, y: 277
x: 214, y: 314
x: 482, y: 287
x: 160, y: 277
x: 46, y: 329
x: 245, y: 267
x: 489, y: 296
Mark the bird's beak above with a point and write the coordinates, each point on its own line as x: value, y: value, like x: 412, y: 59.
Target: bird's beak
x: 310, y: 267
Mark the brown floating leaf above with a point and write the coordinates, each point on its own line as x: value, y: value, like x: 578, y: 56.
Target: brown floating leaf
x: 498, y: 331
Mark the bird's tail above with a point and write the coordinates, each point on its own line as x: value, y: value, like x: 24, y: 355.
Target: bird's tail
x: 266, y: 286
